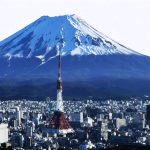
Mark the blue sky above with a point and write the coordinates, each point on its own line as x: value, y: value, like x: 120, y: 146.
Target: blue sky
x: 125, y: 21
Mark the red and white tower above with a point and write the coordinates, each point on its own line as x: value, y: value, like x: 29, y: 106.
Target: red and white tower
x: 59, y: 124
x: 59, y: 105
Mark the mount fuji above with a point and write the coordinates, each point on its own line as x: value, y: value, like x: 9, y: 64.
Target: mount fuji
x: 92, y: 63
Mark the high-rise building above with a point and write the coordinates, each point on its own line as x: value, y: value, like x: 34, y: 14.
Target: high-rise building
x: 21, y: 140
x: 18, y: 115
x: 58, y: 123
x: 3, y: 133
x: 104, y: 129
x: 50, y: 106
x: 30, y: 129
x: 77, y: 117
x: 148, y: 113
x: 120, y: 123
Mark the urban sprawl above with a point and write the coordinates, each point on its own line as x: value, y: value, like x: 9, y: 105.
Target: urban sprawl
x: 24, y: 124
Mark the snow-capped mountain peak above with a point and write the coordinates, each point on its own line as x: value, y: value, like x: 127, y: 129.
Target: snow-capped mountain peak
x: 40, y: 39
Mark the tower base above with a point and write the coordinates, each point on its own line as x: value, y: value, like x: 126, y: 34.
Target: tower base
x: 59, y: 124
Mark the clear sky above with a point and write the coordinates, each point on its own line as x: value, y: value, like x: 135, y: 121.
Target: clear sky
x: 125, y: 21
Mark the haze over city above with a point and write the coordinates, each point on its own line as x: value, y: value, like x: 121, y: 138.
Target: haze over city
x: 124, y: 21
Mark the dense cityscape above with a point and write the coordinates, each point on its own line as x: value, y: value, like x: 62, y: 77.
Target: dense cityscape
x: 105, y: 124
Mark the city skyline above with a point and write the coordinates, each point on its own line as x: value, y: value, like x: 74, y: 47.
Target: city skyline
x: 124, y: 21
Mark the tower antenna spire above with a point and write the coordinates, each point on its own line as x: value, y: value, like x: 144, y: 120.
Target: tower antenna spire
x: 59, y: 64
x: 59, y: 106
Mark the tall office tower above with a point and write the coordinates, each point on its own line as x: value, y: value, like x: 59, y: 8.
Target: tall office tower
x: 104, y: 129
x: 148, y: 113
x: 50, y: 107
x: 29, y: 131
x: 77, y: 117
x: 59, y: 124
x: 3, y: 133
x: 18, y: 115
x: 120, y: 123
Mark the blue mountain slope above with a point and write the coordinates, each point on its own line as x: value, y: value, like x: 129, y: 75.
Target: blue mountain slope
x: 87, y: 55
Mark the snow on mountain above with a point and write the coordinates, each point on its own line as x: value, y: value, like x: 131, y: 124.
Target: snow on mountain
x: 104, y: 68
x: 40, y: 39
